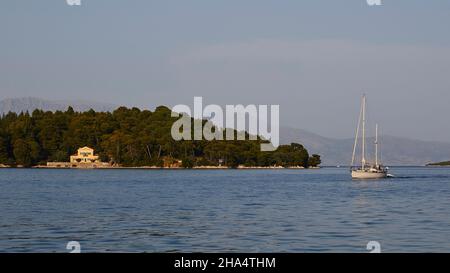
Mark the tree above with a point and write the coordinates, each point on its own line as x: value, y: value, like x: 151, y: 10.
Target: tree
x: 26, y: 152
x: 129, y: 137
x: 187, y: 163
x: 314, y: 160
x: 59, y: 156
x: 4, y: 147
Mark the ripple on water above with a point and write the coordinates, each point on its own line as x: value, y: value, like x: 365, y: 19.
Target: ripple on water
x: 223, y: 211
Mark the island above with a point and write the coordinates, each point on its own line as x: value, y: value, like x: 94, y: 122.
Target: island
x: 440, y: 164
x: 129, y: 138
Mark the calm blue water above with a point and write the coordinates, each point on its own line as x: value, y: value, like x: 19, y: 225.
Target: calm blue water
x: 223, y: 210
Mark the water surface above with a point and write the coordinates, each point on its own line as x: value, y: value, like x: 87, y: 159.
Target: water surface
x: 223, y: 210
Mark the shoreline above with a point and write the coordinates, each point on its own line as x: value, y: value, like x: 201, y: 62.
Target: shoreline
x: 162, y: 168
x: 2, y: 166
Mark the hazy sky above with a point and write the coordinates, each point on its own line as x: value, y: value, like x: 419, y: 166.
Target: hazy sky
x: 314, y: 58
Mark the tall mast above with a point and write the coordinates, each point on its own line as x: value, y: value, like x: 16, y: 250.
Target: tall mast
x: 363, y: 161
x: 376, y: 146
x: 357, y: 135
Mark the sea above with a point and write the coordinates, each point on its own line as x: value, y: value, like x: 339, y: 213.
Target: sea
x: 279, y: 210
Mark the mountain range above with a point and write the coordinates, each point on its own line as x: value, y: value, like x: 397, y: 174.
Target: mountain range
x: 394, y: 150
x: 29, y: 104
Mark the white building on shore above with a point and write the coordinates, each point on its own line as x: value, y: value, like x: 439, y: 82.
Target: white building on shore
x: 85, y: 158
x: 84, y: 155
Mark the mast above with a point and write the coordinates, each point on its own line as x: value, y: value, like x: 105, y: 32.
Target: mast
x: 357, y: 135
x: 376, y: 146
x: 363, y: 161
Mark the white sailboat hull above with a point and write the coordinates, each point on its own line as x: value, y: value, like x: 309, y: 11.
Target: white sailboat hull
x: 361, y: 174
x: 367, y: 170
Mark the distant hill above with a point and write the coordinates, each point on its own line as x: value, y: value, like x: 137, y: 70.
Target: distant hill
x: 29, y: 104
x: 445, y: 163
x: 394, y: 150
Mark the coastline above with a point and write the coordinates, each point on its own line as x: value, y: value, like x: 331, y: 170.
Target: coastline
x: 164, y: 168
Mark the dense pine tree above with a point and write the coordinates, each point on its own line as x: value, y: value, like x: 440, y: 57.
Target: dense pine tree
x: 129, y: 137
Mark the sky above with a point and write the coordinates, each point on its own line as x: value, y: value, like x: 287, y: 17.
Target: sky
x: 314, y: 58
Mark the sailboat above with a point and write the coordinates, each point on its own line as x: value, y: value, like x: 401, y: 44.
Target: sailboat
x: 366, y: 170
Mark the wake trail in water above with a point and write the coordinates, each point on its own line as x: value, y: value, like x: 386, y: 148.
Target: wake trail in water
x: 420, y: 177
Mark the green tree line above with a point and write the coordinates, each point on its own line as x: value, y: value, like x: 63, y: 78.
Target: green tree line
x: 128, y: 137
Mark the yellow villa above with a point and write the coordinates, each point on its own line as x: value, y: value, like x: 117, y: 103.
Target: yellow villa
x: 84, y: 155
x: 85, y: 158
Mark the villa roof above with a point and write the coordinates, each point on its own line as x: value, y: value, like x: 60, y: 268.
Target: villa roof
x: 85, y: 148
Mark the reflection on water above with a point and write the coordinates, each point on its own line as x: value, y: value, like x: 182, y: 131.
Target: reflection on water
x: 223, y: 210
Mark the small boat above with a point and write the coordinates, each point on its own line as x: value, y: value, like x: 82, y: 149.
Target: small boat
x: 366, y: 170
